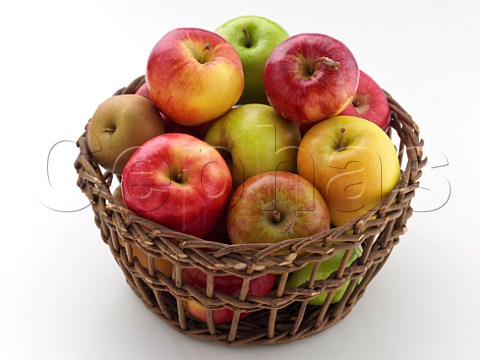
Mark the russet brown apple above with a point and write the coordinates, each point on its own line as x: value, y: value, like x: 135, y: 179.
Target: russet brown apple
x: 119, y: 126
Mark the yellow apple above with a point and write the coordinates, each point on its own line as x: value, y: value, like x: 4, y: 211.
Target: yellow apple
x: 352, y: 162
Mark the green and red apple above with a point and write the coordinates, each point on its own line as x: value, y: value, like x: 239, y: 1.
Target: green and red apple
x: 254, y: 139
x: 275, y: 206
x: 352, y: 162
x: 194, y: 76
x: 254, y: 38
x: 310, y: 77
x: 119, y: 126
x: 325, y: 270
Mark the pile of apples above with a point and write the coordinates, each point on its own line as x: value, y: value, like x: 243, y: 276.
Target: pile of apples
x: 248, y: 135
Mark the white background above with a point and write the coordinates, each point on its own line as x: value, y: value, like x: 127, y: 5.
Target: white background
x: 61, y: 294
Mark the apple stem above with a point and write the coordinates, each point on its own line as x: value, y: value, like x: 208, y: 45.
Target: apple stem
x: 356, y: 103
x: 247, y: 36
x: 277, y: 217
x: 204, y: 53
x: 342, y: 140
x: 332, y: 64
x: 110, y: 130
x: 182, y: 176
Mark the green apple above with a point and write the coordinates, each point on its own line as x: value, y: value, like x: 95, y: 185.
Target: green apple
x: 254, y: 38
x: 254, y: 139
x: 352, y: 162
x: 325, y: 270
x: 119, y: 126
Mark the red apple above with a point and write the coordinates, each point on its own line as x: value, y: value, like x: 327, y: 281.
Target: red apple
x: 194, y: 76
x: 143, y: 91
x: 275, y: 206
x: 310, y: 77
x: 369, y: 103
x: 226, y: 284
x: 178, y: 181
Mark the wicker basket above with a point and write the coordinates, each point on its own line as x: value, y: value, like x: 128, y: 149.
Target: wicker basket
x: 284, y: 315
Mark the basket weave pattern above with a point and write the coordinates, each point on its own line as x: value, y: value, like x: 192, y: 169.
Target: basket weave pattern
x: 284, y: 315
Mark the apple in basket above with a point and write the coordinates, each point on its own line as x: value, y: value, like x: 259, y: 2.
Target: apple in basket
x: 194, y: 76
x: 253, y: 138
x: 179, y: 181
x: 369, y: 103
x: 254, y: 38
x: 325, y: 270
x: 275, y: 206
x: 119, y: 126
x: 230, y: 285
x: 352, y: 162
x: 310, y: 77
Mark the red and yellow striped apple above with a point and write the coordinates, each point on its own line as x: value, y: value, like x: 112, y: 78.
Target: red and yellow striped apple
x: 194, y: 76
